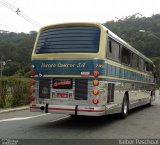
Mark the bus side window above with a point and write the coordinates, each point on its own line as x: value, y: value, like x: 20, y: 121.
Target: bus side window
x: 125, y: 56
x: 110, y: 46
x: 134, y: 61
x: 113, y: 50
x: 151, y: 68
x: 147, y: 69
x: 141, y: 64
x: 154, y: 73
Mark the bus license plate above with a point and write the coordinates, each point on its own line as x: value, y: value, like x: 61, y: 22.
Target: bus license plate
x: 62, y: 95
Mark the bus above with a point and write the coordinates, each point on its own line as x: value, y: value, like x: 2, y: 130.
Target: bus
x: 85, y: 69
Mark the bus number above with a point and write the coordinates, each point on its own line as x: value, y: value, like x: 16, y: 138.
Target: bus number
x: 100, y: 65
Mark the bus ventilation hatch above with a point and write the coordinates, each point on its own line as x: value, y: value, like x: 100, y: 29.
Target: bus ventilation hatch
x: 81, y: 89
x: 44, y: 88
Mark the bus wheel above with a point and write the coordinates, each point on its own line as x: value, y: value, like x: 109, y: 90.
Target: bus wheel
x: 125, y: 108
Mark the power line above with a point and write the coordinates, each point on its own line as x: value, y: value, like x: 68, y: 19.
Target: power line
x: 7, y: 24
x: 8, y: 27
x: 19, y: 13
x: 12, y: 9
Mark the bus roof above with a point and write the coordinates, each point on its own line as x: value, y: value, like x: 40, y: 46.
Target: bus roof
x: 71, y: 23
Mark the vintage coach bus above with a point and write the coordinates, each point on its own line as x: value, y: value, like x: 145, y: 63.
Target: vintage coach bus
x: 85, y: 69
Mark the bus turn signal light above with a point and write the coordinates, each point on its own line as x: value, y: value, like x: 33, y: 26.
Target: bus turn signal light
x: 31, y: 98
x: 95, y: 92
x: 32, y: 81
x: 95, y: 82
x: 96, y: 73
x: 32, y: 73
x: 32, y: 90
x: 95, y: 101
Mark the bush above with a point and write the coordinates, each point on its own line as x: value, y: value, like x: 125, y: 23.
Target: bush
x: 9, y: 101
x: 14, y: 91
x: 3, y: 91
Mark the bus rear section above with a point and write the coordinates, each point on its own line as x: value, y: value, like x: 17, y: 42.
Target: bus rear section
x: 66, y: 70
x: 75, y: 90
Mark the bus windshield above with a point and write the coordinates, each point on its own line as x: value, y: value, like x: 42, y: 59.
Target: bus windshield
x: 69, y: 39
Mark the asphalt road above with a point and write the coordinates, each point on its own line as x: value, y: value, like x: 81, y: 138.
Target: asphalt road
x: 143, y: 122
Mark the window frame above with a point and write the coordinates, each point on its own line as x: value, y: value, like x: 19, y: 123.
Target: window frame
x: 109, y: 39
x: 140, y: 58
x: 137, y: 66
x: 146, y: 66
x: 121, y: 47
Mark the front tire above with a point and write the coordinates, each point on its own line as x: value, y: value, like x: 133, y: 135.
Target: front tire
x: 125, y: 108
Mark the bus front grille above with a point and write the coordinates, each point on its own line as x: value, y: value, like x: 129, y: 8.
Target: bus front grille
x: 81, y: 89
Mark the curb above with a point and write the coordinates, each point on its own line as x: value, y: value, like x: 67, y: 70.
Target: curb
x: 14, y: 109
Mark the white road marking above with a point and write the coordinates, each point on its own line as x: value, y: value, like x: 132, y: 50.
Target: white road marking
x: 22, y: 118
x: 58, y: 119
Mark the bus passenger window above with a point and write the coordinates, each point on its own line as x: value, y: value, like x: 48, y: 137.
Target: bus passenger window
x: 113, y: 50
x: 147, y: 67
x: 141, y: 64
x: 151, y: 68
x: 134, y: 61
x: 154, y: 73
x: 125, y: 56
x: 110, y: 46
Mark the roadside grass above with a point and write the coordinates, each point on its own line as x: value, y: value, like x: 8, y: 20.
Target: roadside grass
x: 14, y: 91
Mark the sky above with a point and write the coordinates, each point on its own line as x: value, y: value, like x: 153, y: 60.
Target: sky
x: 46, y: 12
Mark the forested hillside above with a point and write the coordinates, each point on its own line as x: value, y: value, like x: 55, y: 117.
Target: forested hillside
x: 18, y: 47
x: 147, y: 42
x: 128, y: 29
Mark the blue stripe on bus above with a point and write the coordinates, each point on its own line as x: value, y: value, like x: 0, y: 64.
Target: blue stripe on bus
x: 76, y: 67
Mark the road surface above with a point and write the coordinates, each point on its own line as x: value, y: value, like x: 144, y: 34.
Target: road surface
x: 143, y: 122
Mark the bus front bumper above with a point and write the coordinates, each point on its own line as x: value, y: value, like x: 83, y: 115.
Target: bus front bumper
x: 72, y: 110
